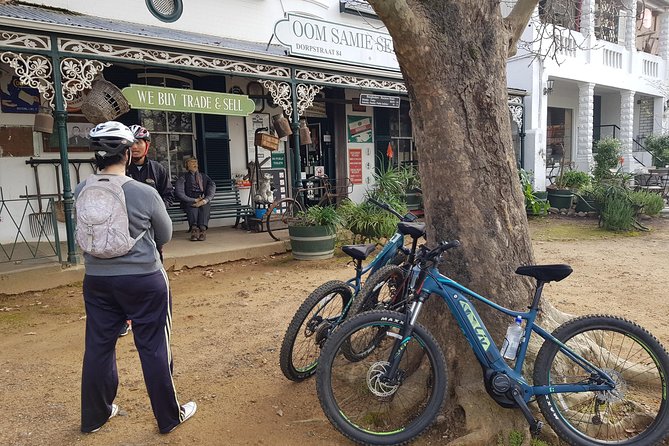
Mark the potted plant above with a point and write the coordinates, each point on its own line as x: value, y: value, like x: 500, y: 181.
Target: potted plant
x: 561, y: 195
x: 367, y: 221
x: 536, y: 202
x: 313, y: 233
x: 411, y: 181
x: 586, y: 200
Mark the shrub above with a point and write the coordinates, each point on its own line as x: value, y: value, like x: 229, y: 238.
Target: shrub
x: 618, y: 213
x: 658, y: 145
x: 648, y: 202
x: 369, y: 221
x: 575, y: 180
x: 317, y: 216
x: 607, y: 157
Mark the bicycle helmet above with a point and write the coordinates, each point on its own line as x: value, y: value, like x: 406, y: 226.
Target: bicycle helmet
x: 110, y: 138
x: 140, y: 132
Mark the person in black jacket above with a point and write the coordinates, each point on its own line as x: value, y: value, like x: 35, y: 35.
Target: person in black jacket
x: 149, y: 171
x: 195, y: 191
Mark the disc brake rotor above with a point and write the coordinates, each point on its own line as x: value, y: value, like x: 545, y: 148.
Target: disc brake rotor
x: 617, y: 394
x: 374, y: 382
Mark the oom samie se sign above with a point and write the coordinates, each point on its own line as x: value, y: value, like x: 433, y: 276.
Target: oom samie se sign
x: 319, y: 39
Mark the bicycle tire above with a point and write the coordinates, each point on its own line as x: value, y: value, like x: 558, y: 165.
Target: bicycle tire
x: 388, y: 415
x: 380, y: 291
x: 298, y: 360
x: 635, y: 413
x: 287, y: 208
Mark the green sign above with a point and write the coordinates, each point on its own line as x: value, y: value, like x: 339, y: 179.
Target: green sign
x: 148, y: 97
x: 278, y: 160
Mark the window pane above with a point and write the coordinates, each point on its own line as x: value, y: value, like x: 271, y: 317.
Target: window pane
x: 181, y: 146
x: 153, y: 120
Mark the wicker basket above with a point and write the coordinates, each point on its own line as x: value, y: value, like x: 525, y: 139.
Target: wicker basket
x: 104, y: 102
x: 267, y: 141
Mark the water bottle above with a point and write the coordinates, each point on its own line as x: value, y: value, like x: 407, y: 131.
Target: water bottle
x: 512, y: 340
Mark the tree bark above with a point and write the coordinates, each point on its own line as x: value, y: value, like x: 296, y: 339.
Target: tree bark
x: 452, y: 54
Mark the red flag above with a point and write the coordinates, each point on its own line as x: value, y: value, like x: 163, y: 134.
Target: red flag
x: 389, y: 151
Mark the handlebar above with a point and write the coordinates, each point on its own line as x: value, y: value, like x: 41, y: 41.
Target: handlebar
x: 409, y: 217
x: 430, y: 255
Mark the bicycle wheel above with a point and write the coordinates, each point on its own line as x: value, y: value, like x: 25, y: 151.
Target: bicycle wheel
x: 318, y: 315
x: 383, y: 290
x: 635, y: 412
x: 279, y: 213
x: 359, y: 403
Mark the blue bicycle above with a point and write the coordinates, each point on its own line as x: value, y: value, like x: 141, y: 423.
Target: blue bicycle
x: 599, y: 380
x: 328, y: 305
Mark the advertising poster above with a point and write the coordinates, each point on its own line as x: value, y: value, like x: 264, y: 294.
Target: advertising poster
x: 360, y: 129
x: 17, y: 98
x: 355, y: 165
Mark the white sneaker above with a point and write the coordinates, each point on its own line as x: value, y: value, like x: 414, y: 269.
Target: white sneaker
x: 114, y: 412
x: 187, y: 411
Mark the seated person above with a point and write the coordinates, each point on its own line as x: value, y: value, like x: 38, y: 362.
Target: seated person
x: 195, y: 191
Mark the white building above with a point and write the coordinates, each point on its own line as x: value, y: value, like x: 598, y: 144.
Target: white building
x: 310, y: 59
x: 605, y: 75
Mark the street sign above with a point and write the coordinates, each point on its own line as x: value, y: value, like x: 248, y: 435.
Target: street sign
x: 377, y: 100
x: 150, y: 97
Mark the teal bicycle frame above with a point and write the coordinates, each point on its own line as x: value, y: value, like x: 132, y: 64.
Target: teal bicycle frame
x: 457, y: 297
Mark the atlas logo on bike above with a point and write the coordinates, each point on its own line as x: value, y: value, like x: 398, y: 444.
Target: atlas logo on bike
x: 476, y: 325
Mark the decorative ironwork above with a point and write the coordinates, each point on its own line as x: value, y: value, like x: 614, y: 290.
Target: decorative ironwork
x: 34, y: 71
x: 280, y: 92
x: 170, y: 58
x: 515, y: 105
x: 305, y: 96
x: 350, y: 81
x: 25, y: 41
x: 78, y: 75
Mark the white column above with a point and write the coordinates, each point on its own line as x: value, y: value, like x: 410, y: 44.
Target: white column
x: 663, y: 52
x: 586, y: 108
x: 588, y: 18
x: 627, y: 127
x: 630, y: 25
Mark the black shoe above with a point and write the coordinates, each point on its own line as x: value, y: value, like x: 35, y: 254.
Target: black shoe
x: 125, y: 330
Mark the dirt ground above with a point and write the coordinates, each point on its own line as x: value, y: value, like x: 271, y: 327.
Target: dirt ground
x: 229, y: 321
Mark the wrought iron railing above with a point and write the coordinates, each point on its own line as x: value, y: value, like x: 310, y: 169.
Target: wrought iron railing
x: 609, y: 130
x: 35, y: 228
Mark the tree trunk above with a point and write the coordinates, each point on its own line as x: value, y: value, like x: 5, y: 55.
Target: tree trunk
x: 453, y: 58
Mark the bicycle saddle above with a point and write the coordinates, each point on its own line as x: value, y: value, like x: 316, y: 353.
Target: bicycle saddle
x: 359, y: 252
x: 545, y: 273
x: 413, y: 229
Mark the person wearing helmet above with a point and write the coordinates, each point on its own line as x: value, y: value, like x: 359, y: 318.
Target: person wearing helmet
x: 131, y: 286
x: 146, y: 170
x: 150, y: 172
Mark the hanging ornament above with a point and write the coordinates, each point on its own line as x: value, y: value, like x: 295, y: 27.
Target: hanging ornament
x: 305, y: 133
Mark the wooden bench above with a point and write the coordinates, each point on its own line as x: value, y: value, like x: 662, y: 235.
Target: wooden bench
x: 225, y: 204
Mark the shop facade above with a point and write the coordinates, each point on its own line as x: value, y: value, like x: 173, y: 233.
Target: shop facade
x: 319, y: 64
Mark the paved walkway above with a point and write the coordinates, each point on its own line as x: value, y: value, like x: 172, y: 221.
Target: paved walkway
x: 222, y: 245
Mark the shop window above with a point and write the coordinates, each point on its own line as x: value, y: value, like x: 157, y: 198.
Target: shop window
x: 165, y: 10
x: 172, y: 133
x: 558, y: 137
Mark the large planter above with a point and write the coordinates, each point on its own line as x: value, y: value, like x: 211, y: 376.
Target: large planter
x: 585, y: 204
x: 312, y: 242
x: 414, y: 200
x: 560, y: 198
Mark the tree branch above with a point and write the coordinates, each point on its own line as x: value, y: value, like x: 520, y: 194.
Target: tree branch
x: 517, y: 20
